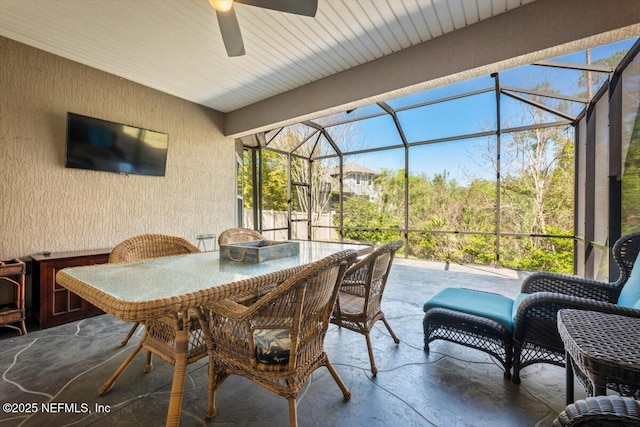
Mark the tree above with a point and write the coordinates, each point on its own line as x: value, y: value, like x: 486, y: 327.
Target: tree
x: 300, y: 163
x: 537, y: 188
x: 631, y: 148
x: 631, y: 178
x: 274, y: 183
x: 597, y: 79
x: 361, y: 213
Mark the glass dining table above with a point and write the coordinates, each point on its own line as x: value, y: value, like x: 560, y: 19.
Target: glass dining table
x: 143, y: 290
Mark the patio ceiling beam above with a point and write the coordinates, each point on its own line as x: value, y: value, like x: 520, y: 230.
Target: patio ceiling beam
x: 326, y: 135
x: 364, y: 151
x: 547, y: 94
x: 394, y: 116
x: 332, y: 142
x: 273, y: 137
x: 582, y: 67
x: 301, y: 143
x: 312, y: 124
x: 538, y: 105
x: 315, y: 145
x: 355, y: 119
x: 445, y: 99
x: 453, y: 138
x: 538, y: 126
x: 277, y: 150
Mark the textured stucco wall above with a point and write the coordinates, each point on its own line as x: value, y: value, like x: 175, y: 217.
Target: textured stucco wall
x: 48, y: 207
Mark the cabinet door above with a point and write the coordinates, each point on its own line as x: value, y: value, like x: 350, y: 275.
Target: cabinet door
x: 57, y: 304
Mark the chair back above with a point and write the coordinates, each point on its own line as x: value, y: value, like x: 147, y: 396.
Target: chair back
x: 296, y: 310
x: 368, y: 277
x: 625, y: 252
x: 303, y: 305
x: 148, y: 246
x: 238, y: 235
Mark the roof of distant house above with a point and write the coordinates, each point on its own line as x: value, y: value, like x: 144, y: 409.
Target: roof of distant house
x: 348, y: 168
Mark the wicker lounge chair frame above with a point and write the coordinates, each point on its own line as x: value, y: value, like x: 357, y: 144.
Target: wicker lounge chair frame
x: 300, y: 301
x: 469, y: 330
x: 536, y: 338
x: 602, y: 411
x: 358, y: 306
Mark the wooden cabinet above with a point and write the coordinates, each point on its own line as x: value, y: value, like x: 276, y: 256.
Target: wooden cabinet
x: 53, y: 304
x: 12, y: 289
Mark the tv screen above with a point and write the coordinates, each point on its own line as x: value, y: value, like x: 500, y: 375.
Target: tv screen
x: 114, y: 147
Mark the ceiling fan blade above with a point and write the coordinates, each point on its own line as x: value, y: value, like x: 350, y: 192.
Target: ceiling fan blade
x: 230, y: 31
x: 298, y: 7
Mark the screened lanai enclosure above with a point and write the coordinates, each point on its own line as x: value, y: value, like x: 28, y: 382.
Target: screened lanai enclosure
x: 533, y: 168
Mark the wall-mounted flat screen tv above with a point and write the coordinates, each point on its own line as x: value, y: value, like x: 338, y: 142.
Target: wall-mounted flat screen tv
x: 114, y: 147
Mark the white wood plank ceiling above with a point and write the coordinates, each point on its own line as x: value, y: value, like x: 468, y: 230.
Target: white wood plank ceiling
x: 175, y: 45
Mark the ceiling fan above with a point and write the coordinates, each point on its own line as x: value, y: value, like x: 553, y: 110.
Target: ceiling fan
x: 228, y: 21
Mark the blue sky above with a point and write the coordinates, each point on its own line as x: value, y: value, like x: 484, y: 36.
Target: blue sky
x: 463, y: 116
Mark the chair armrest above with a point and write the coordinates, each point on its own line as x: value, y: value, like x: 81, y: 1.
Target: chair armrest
x: 544, y: 306
x: 570, y: 285
x: 251, y: 295
x: 600, y: 410
x: 229, y: 308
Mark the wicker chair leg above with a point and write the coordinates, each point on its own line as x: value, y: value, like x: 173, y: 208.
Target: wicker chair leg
x: 425, y: 334
x: 211, y: 392
x: 293, y: 412
x: 508, y: 351
x: 23, y: 328
x: 107, y: 386
x: 374, y: 370
x: 517, y: 351
x: 149, y: 365
x: 345, y: 391
x: 130, y: 334
x: 395, y: 338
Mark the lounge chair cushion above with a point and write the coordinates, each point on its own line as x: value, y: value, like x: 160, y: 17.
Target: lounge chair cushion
x: 630, y: 294
x: 516, y: 304
x: 484, y: 304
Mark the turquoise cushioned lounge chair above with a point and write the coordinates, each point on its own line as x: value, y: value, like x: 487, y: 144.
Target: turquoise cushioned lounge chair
x: 524, y: 331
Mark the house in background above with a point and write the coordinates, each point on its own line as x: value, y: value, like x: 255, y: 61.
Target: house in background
x: 357, y: 181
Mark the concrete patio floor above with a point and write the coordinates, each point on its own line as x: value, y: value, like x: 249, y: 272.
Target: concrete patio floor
x: 451, y: 386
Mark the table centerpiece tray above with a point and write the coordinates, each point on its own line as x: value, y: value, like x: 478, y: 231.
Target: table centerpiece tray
x: 259, y: 250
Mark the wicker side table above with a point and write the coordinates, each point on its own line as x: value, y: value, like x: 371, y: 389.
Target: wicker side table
x: 12, y: 311
x: 603, y: 350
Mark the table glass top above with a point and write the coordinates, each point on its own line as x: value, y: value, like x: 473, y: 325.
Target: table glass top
x: 173, y: 276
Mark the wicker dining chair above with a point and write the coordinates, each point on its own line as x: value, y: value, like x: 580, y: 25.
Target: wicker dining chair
x: 238, y: 235
x: 160, y: 334
x: 278, y: 340
x: 358, y: 306
x: 148, y: 246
